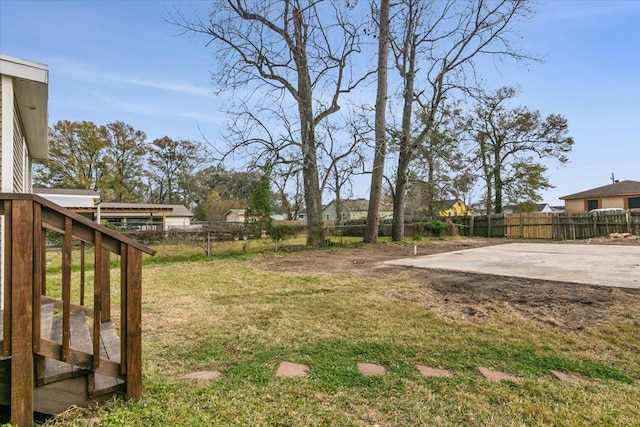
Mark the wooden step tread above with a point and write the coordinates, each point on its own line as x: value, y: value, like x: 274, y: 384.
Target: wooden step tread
x: 56, y: 370
x: 100, y: 385
x: 110, y: 347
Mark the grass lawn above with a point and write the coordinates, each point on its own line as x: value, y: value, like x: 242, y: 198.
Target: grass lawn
x: 232, y: 314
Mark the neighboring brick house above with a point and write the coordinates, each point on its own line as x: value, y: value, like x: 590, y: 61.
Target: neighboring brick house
x: 623, y: 195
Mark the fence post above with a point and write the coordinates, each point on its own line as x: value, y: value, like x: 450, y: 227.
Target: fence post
x: 629, y: 222
x: 471, y: 230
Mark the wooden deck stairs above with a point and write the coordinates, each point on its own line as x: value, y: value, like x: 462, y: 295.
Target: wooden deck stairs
x: 55, y: 353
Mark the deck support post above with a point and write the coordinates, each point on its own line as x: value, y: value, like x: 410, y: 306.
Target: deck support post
x: 22, y: 314
x: 133, y: 270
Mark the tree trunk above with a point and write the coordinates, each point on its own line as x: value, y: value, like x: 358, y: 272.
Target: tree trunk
x: 406, y: 150
x: 497, y: 184
x: 397, y: 230
x: 311, y: 181
x: 431, y: 183
x: 375, y: 192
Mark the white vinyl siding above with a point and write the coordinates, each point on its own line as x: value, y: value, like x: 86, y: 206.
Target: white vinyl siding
x: 1, y: 133
x: 20, y: 162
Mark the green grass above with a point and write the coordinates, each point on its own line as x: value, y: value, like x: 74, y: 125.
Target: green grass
x: 226, y: 313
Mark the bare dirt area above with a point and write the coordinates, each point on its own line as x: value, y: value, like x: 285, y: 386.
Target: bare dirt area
x: 472, y: 297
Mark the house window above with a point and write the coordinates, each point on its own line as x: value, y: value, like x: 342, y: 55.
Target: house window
x: 592, y: 204
x: 327, y: 216
x: 634, y: 202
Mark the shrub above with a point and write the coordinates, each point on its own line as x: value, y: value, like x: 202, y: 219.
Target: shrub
x: 435, y: 227
x: 282, y: 232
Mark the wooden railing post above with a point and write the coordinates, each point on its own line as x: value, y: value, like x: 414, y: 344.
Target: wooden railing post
x: 105, y: 284
x: 22, y: 312
x: 133, y: 309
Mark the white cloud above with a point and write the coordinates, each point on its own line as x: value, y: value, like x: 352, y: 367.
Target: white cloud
x: 153, y: 109
x: 173, y: 87
x: 83, y: 71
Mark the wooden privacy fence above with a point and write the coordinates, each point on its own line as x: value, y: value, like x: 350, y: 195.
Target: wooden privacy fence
x: 531, y: 225
x: 557, y: 225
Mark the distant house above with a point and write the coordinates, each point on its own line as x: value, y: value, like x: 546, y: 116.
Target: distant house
x: 146, y: 215
x: 24, y: 94
x: 69, y: 197
x: 623, y: 195
x: 452, y: 207
x: 354, y: 209
x: 531, y: 207
x: 128, y: 215
x: 235, y: 215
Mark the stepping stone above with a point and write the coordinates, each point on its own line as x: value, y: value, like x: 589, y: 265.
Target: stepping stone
x: 203, y: 375
x: 427, y: 371
x: 565, y: 377
x: 289, y: 369
x: 496, y: 376
x: 371, y: 369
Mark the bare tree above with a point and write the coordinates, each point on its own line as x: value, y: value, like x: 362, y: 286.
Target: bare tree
x: 340, y: 162
x: 288, y: 196
x: 435, y: 44
x: 380, y: 152
x: 508, y: 142
x: 299, y: 52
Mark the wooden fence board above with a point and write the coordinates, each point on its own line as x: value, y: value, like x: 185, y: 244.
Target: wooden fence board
x: 530, y: 225
x: 557, y: 225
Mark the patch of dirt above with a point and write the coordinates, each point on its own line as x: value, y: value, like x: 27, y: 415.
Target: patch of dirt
x: 472, y: 297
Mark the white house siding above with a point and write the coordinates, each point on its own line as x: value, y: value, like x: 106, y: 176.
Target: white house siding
x: 177, y: 222
x: 1, y: 84
x: 19, y: 151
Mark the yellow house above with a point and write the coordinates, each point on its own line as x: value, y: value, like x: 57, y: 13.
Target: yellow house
x: 454, y: 207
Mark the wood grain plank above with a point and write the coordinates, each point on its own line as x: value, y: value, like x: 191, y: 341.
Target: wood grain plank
x: 22, y: 367
x: 134, y: 324
x: 66, y: 288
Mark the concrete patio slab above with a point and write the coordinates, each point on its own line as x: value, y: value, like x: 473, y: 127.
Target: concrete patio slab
x: 289, y: 369
x: 371, y: 369
x: 602, y: 265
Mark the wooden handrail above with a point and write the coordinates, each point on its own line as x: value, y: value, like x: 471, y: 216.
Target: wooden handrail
x: 27, y: 216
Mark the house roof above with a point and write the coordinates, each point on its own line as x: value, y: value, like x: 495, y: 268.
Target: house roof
x: 235, y: 211
x: 355, y: 205
x: 66, y: 192
x: 130, y: 209
x: 448, y: 203
x: 31, y: 89
x: 616, y: 189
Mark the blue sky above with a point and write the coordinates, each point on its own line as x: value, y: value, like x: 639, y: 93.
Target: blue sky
x: 121, y: 60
